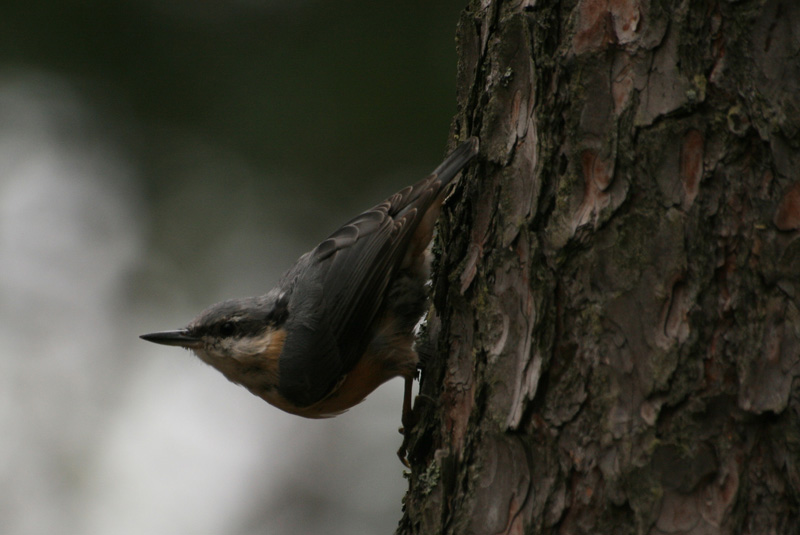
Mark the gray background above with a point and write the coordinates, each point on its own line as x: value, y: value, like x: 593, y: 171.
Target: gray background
x: 156, y: 157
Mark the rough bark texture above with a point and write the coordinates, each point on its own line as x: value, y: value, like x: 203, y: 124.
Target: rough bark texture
x: 617, y: 298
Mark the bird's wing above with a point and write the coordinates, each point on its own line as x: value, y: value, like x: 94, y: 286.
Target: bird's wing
x: 341, y: 284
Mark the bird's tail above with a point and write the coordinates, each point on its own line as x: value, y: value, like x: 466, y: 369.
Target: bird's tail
x: 456, y: 160
x: 423, y: 201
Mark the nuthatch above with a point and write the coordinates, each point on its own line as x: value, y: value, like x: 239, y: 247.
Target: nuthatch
x: 341, y: 321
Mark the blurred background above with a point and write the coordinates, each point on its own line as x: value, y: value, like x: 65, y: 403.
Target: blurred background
x: 156, y: 157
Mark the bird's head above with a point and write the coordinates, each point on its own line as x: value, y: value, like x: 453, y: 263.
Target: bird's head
x: 233, y: 334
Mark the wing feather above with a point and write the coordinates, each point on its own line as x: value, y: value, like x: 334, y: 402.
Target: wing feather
x: 338, y: 288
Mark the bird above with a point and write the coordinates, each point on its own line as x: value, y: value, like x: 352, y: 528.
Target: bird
x: 340, y: 322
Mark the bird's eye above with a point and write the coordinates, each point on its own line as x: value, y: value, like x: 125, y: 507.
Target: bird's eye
x: 227, y: 329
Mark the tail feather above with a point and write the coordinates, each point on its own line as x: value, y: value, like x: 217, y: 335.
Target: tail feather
x: 456, y: 160
x: 428, y: 196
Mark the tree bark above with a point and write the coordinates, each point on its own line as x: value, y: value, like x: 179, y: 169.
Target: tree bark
x: 616, y: 306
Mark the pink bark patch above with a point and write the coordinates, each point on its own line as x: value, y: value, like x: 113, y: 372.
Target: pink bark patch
x: 604, y: 22
x: 596, y: 170
x: 598, y: 175
x: 691, y: 165
x: 593, y: 27
x: 787, y: 217
x: 625, y: 18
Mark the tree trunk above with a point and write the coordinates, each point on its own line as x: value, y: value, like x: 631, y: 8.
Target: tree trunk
x: 617, y: 292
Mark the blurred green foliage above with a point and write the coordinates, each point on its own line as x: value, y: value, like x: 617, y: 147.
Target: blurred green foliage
x: 322, y: 88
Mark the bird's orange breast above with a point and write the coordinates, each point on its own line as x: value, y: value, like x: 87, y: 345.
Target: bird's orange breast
x: 388, y: 355
x: 367, y: 375
x: 375, y: 367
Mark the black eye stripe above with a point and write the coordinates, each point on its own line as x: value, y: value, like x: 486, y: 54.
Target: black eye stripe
x: 227, y: 329
x: 246, y: 323
x: 240, y: 328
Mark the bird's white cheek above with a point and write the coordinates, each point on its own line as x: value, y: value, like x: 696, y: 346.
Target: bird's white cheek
x: 217, y: 352
x: 249, y: 347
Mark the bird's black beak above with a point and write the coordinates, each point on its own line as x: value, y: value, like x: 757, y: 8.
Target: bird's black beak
x: 180, y: 338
